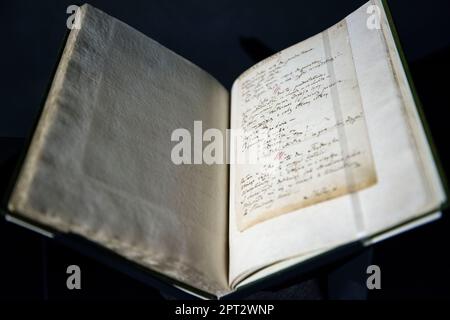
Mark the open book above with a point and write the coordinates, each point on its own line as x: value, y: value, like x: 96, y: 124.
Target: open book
x: 326, y: 147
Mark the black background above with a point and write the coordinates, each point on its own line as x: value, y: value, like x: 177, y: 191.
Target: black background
x: 224, y: 38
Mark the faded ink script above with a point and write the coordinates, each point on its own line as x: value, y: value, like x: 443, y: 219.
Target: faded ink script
x: 303, y: 125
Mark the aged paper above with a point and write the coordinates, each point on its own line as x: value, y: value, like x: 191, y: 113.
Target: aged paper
x: 100, y: 161
x: 402, y: 191
x: 304, y: 136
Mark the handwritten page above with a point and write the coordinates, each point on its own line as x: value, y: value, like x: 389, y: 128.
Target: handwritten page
x: 303, y: 133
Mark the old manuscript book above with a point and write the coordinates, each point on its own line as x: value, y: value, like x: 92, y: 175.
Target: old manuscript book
x: 332, y: 150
